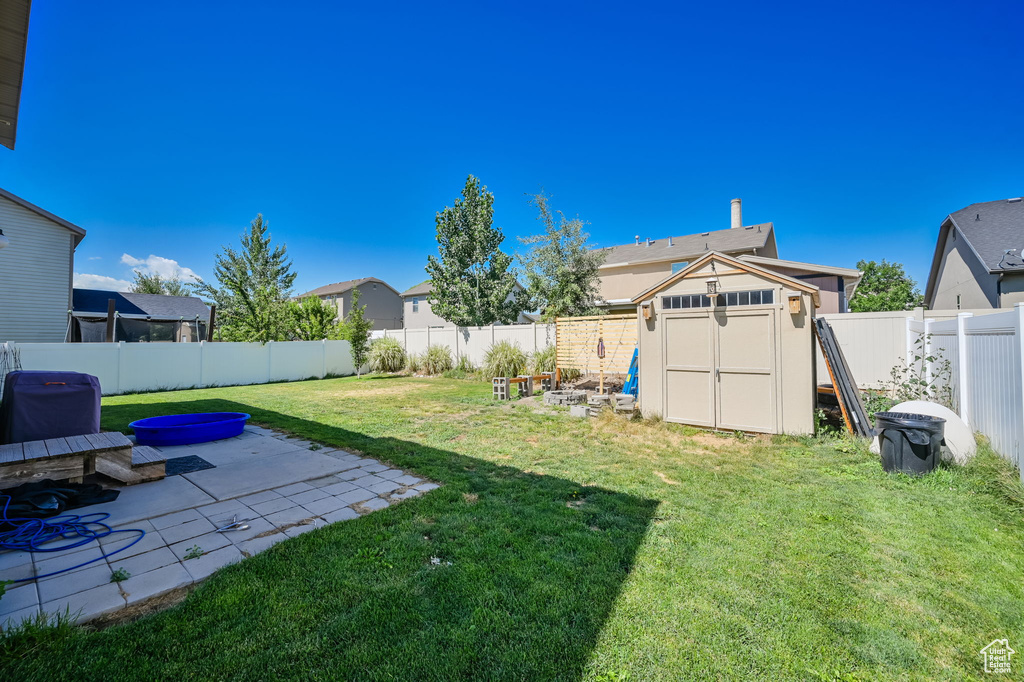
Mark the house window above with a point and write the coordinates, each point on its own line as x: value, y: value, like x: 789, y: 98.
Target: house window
x: 676, y: 267
x: 415, y: 305
x: 729, y: 298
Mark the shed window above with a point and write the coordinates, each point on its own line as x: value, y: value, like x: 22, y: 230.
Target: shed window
x: 415, y: 305
x: 731, y: 298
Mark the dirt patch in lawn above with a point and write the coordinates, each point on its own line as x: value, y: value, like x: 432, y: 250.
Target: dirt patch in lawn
x: 391, y: 389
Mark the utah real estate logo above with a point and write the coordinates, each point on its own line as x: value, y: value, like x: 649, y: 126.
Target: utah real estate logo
x: 997, y: 656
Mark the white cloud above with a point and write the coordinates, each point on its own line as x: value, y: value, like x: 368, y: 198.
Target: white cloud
x: 95, y: 257
x: 158, y: 265
x: 86, y: 281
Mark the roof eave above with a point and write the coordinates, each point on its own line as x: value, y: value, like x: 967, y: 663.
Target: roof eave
x: 78, y: 232
x: 743, y: 265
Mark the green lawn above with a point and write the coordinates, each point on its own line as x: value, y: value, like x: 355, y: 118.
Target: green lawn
x: 597, y: 549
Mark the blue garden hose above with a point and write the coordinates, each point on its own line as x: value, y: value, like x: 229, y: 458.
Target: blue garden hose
x: 29, y: 535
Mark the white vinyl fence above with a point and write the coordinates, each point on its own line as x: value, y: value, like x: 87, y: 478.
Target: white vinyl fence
x: 874, y: 343
x: 135, y: 367
x: 472, y: 342
x: 987, y: 374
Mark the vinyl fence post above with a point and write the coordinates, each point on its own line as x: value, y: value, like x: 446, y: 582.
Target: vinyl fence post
x: 909, y: 357
x: 1018, y: 349
x: 927, y: 351
x: 323, y: 355
x: 962, y: 371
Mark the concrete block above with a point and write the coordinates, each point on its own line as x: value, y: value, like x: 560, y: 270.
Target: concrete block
x: 220, y: 513
x: 60, y: 586
x: 288, y: 517
x: 385, y: 487
x: 176, y: 519
x: 256, y: 526
x: 339, y: 488
x: 325, y: 506
x: 16, y: 618
x: 358, y: 495
x: 390, y: 474
x: 256, y: 545
x: 121, y: 543
x: 209, y: 542
x: 275, y: 505
x: 367, y: 481
x: 149, y: 500
x: 427, y: 487
x: 406, y: 495
x: 375, y: 503
x: 87, y: 604
x: 20, y: 597
x: 294, y: 488
x: 579, y: 411
x: 343, y: 514
x: 309, y: 496
x: 58, y: 561
x: 155, y: 583
x: 408, y: 480
x: 144, y: 563
x: 256, y: 498
x: 295, y: 531
x: 205, y: 565
x: 186, y: 531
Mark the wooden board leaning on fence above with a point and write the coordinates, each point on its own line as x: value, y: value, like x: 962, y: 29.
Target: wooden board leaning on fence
x: 595, y: 344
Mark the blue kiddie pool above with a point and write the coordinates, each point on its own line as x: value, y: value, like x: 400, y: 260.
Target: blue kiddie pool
x: 183, y: 429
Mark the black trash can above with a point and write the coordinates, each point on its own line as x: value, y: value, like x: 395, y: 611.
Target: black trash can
x: 909, y: 443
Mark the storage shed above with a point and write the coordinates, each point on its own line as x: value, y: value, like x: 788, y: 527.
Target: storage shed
x: 729, y: 345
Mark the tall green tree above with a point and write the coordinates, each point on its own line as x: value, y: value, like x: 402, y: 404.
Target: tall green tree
x: 473, y: 283
x: 155, y: 284
x: 255, y: 283
x: 355, y: 329
x: 884, y: 286
x: 561, y: 268
x: 312, y: 319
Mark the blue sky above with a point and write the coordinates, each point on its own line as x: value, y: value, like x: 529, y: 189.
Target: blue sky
x: 855, y: 128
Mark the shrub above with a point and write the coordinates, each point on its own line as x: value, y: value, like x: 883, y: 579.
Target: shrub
x: 543, y: 360
x: 437, y: 359
x: 568, y: 374
x: 413, y: 363
x: 504, y: 359
x: 387, y: 355
x: 465, y: 365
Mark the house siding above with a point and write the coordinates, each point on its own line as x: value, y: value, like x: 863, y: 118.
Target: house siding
x: 425, y: 316
x: 35, y: 276
x: 383, y: 305
x: 962, y: 274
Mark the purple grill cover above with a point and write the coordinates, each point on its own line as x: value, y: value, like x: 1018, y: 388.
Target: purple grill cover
x: 39, y: 405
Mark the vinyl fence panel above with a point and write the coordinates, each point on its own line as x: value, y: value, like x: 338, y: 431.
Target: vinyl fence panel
x: 472, y: 342
x: 136, y: 367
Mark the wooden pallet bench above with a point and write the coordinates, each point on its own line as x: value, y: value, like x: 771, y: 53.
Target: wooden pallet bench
x: 73, y: 457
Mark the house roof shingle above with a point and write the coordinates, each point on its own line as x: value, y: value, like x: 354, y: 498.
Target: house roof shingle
x: 991, y: 228
x: 342, y: 287
x: 156, y: 306
x: 690, y: 245
x: 421, y: 289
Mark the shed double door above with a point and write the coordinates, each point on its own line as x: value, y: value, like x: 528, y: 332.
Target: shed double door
x: 720, y: 369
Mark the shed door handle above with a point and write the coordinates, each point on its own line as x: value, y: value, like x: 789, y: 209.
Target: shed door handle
x: 718, y: 373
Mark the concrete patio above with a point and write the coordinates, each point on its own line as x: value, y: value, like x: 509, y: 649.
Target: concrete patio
x: 281, y: 486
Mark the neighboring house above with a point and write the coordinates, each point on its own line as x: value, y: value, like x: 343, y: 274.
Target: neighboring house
x: 139, y: 317
x: 632, y: 268
x: 383, y: 303
x: 977, y: 261
x: 37, y: 262
x: 417, y: 313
